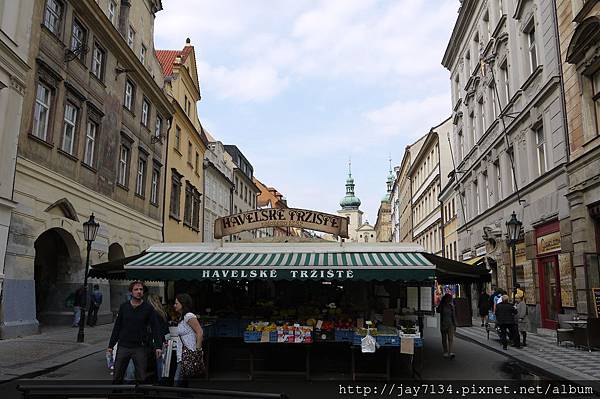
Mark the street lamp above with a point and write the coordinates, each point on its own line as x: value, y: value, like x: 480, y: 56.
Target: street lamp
x: 90, y: 229
x: 513, y: 229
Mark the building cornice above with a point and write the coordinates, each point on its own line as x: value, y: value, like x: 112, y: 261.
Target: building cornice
x: 465, y: 14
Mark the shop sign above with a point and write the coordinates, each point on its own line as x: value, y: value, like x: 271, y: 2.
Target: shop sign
x: 276, y: 274
x: 596, y: 299
x: 528, y: 286
x: 566, y: 280
x: 548, y: 243
x: 289, y: 217
x: 520, y: 254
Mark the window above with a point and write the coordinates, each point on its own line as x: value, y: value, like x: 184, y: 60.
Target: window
x: 177, y: 137
x: 130, y: 37
x: 471, y: 128
x: 511, y: 165
x: 498, y: 180
x: 493, y: 98
x: 78, y: 39
x: 476, y: 198
x: 129, y: 95
x: 98, y: 57
x: 197, y: 162
x: 140, y: 178
x: 53, y: 16
x: 90, y: 143
x: 123, y: 165
x: 112, y: 12
x: 486, y: 187
x: 596, y: 98
x: 461, y: 146
x: 189, y: 152
x: 175, y: 194
x: 185, y: 104
x: 158, y: 126
x: 41, y: 111
x: 187, y: 210
x: 195, y: 210
x: 154, y: 186
x: 540, y: 143
x: 505, y: 82
x: 70, y: 122
x: 482, y: 116
x: 145, y: 112
x: 533, y: 63
x: 143, y: 54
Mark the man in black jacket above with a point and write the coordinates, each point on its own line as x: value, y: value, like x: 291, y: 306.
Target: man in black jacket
x: 131, y: 332
x: 505, y: 320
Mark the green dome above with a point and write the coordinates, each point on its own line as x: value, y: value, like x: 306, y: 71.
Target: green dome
x: 350, y: 202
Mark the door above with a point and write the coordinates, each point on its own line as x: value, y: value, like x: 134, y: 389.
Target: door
x: 549, y: 291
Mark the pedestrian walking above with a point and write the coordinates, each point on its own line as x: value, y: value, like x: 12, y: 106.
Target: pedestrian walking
x: 484, y: 306
x: 506, y: 322
x: 447, y: 313
x: 163, y: 323
x: 190, y: 333
x: 135, y: 328
x: 78, y: 303
x: 95, y: 302
x: 522, y: 318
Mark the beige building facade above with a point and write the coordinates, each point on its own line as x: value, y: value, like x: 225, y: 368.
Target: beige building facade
x: 85, y: 146
x: 187, y: 144
x: 401, y: 209
x: 430, y: 163
x: 15, y: 35
x: 579, y: 34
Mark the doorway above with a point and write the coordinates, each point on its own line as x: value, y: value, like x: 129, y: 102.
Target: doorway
x: 56, y: 261
x: 550, y: 302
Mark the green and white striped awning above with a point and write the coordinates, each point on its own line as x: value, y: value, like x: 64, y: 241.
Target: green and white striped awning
x: 277, y: 262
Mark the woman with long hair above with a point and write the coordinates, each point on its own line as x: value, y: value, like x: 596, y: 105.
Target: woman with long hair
x: 189, y: 331
x: 161, y: 316
x: 447, y: 324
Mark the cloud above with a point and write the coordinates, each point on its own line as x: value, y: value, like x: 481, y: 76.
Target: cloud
x: 243, y: 83
x: 410, y: 118
x: 365, y: 42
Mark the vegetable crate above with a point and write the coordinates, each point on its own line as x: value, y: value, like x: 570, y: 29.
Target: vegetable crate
x: 388, y: 340
x: 344, y: 335
x: 252, y: 336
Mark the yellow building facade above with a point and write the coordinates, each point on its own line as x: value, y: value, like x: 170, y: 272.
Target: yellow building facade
x: 187, y: 143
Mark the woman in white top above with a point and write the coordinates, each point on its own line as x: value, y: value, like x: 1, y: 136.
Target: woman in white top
x: 189, y: 331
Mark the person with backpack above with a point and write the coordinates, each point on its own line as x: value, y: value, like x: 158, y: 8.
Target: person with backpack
x: 96, y: 301
x: 506, y: 322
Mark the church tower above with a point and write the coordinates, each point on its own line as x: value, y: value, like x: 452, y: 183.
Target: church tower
x: 350, y: 207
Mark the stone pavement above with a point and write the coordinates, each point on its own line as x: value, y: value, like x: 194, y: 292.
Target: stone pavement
x: 542, y: 353
x: 54, y: 347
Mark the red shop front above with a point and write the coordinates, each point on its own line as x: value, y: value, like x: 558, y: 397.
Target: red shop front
x: 548, y: 249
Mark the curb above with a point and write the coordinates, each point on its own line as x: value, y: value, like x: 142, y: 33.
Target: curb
x: 49, y: 369
x: 539, y: 368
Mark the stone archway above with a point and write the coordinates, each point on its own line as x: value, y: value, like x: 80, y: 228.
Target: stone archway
x: 57, y: 268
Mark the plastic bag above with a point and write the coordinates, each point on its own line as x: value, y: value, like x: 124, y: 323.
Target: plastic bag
x: 368, y: 344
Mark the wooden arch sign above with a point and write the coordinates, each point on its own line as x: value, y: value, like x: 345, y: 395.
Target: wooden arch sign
x: 288, y: 217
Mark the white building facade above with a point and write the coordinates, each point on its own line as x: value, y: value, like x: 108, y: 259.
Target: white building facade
x: 218, y: 187
x: 15, y: 28
x: 511, y: 151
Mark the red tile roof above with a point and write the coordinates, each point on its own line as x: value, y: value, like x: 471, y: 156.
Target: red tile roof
x: 167, y: 58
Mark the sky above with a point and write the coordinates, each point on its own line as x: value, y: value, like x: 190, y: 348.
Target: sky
x: 302, y: 86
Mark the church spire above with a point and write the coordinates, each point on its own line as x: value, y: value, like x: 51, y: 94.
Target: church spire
x: 389, y: 183
x: 350, y: 201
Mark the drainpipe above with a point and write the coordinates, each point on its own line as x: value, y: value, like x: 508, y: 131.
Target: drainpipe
x: 170, y: 125
x: 562, y: 83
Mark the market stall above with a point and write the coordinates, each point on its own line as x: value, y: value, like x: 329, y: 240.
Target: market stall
x: 307, y: 296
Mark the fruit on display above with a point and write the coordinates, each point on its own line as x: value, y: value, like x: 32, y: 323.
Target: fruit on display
x: 261, y: 326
